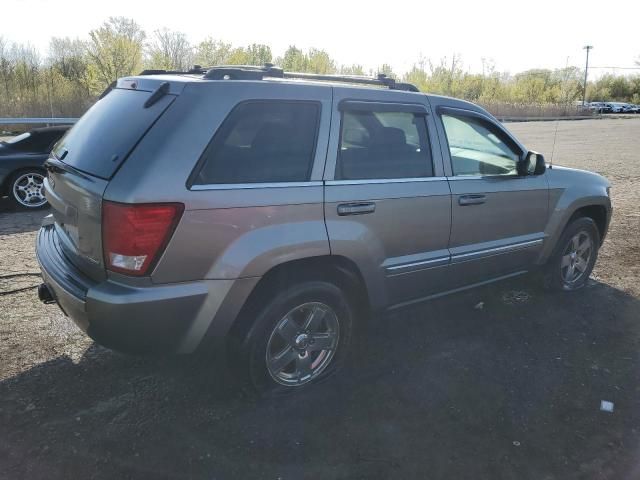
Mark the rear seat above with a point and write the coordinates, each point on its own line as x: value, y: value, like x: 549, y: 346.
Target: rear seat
x: 371, y: 161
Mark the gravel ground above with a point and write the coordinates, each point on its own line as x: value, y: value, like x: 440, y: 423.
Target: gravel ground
x: 509, y: 388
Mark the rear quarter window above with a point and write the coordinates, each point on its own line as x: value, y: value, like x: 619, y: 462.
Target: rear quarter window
x: 262, y: 142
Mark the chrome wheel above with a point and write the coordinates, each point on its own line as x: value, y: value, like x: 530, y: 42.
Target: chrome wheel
x: 302, y: 344
x: 28, y: 190
x: 575, y: 259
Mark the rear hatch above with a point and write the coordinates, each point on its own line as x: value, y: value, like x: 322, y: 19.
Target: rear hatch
x: 89, y: 155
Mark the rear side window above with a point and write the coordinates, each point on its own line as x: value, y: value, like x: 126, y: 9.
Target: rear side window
x: 383, y: 145
x: 107, y: 133
x: 263, y: 142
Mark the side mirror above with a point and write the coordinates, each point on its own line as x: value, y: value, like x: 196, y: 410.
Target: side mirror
x: 532, y: 164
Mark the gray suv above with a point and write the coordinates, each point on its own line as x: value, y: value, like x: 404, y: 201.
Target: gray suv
x: 264, y: 214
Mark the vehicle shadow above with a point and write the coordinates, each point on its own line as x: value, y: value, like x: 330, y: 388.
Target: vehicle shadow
x: 15, y: 220
x: 503, y: 382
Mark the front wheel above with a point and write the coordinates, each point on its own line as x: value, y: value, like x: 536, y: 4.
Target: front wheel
x: 27, y: 189
x: 575, y: 256
x: 298, y: 338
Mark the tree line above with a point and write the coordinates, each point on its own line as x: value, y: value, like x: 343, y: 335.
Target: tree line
x: 68, y: 79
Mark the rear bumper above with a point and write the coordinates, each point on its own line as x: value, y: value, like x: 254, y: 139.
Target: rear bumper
x: 140, y: 319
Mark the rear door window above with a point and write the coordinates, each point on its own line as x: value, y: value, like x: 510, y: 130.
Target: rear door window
x: 262, y: 142
x: 105, y: 135
x: 383, y: 144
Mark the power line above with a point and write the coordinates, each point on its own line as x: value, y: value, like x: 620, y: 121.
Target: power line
x: 620, y: 68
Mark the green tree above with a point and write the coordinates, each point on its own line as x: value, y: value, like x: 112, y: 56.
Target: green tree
x: 258, y: 54
x: 116, y: 48
x: 212, y: 52
x: 238, y: 56
x: 320, y: 62
x: 418, y: 77
x: 294, y: 60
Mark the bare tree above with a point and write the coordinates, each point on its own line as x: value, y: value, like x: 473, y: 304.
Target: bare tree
x: 170, y: 50
x: 68, y: 57
x: 6, y: 65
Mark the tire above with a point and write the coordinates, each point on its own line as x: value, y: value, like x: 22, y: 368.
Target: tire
x: 278, y: 354
x: 575, y: 255
x: 26, y: 189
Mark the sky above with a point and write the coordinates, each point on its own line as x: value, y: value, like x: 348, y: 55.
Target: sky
x: 514, y: 36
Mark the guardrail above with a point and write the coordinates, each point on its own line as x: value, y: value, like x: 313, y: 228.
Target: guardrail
x: 38, y: 120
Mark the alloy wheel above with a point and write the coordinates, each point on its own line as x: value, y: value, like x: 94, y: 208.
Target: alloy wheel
x: 302, y: 344
x: 575, y: 258
x: 28, y: 190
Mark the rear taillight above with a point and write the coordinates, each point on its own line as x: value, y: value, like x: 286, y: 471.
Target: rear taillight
x: 134, y: 235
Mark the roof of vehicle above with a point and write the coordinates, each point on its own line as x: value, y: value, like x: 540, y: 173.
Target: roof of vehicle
x: 269, y: 72
x: 175, y: 81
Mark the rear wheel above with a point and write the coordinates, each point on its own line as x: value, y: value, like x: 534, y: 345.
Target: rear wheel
x: 27, y: 189
x: 298, y: 338
x: 575, y: 256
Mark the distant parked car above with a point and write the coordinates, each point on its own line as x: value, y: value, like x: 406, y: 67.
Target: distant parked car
x: 600, y: 107
x: 616, y: 107
x: 628, y: 108
x: 21, y: 171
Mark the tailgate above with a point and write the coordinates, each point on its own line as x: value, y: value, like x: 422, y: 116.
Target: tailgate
x: 76, y: 203
x: 84, y: 160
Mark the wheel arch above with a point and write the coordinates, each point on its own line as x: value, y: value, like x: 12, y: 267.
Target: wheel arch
x: 598, y: 213
x: 336, y: 269
x: 597, y: 208
x: 5, y: 186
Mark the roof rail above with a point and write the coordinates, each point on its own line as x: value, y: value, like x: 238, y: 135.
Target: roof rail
x: 243, y: 72
x: 252, y: 72
x: 195, y: 70
x: 380, y: 80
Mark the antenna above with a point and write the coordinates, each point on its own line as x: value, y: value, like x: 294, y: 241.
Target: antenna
x: 553, y: 148
x: 555, y: 133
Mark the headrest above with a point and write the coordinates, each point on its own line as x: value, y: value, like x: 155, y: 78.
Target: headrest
x: 271, y: 135
x: 389, y: 137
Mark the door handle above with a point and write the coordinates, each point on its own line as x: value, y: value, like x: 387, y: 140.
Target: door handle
x: 471, y: 200
x: 356, y: 208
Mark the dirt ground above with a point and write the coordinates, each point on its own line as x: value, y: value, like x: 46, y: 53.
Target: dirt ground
x: 449, y: 390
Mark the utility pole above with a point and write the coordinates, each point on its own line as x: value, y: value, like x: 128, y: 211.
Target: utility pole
x: 586, y: 70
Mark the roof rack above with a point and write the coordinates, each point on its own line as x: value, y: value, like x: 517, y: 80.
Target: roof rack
x: 252, y: 72
x: 195, y: 70
x: 380, y: 80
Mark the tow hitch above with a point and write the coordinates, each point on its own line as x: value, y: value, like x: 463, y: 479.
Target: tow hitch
x: 45, y: 295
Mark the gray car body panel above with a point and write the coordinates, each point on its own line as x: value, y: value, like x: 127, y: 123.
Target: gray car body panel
x: 418, y: 243
x: 493, y: 238
x: 249, y: 228
x: 569, y: 190
x: 395, y: 267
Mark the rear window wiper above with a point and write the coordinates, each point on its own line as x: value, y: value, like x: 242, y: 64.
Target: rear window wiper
x: 157, y: 94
